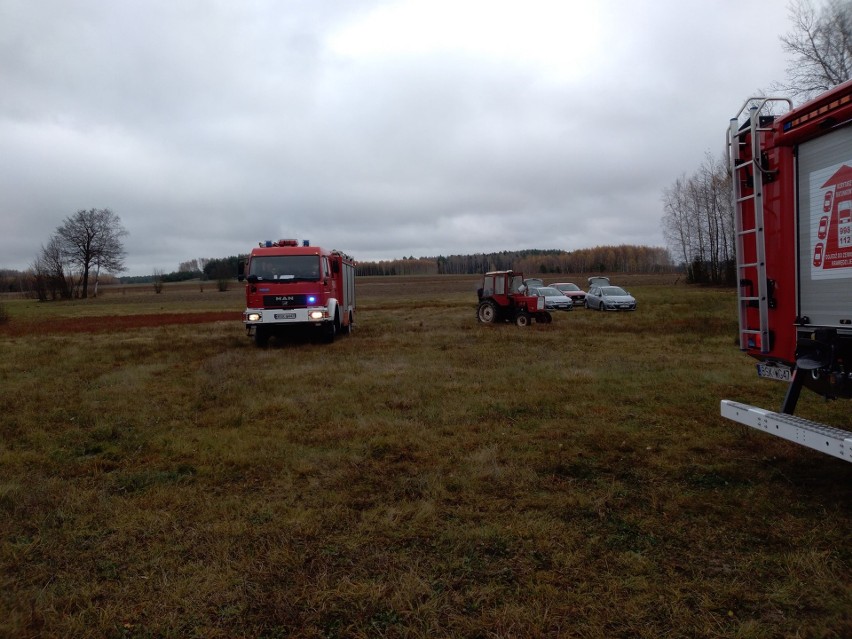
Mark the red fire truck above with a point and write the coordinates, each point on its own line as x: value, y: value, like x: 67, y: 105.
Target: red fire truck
x: 289, y: 285
x: 792, y: 195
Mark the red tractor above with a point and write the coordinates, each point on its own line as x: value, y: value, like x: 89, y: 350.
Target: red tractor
x: 503, y: 298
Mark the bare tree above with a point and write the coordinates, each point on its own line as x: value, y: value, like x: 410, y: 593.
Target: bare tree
x: 157, y: 279
x: 49, y: 274
x: 698, y: 222
x: 92, y: 239
x: 190, y: 266
x: 821, y: 47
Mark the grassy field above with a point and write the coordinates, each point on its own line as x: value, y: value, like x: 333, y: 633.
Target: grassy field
x: 426, y: 476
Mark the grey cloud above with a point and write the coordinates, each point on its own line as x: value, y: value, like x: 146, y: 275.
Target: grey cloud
x: 208, y: 127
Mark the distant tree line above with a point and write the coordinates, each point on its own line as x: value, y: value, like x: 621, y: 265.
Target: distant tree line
x: 203, y: 268
x: 623, y: 259
x: 14, y: 281
x: 26, y: 283
x: 50, y: 277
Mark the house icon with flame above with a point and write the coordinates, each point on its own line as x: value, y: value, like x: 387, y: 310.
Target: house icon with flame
x: 834, y: 249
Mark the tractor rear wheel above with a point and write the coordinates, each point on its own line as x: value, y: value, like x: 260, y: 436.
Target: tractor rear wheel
x: 487, y: 312
x: 522, y: 318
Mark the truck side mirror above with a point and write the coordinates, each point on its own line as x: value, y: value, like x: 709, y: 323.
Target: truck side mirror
x: 241, y: 271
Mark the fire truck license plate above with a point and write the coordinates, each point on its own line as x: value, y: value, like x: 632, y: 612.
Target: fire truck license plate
x: 781, y: 373
x: 285, y: 316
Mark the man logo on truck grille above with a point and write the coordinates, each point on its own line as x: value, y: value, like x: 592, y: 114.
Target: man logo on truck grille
x: 283, y: 301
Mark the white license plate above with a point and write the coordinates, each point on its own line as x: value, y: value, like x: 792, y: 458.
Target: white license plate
x: 285, y: 316
x: 771, y: 371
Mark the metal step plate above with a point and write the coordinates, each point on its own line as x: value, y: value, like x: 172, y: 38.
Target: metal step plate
x: 826, y: 439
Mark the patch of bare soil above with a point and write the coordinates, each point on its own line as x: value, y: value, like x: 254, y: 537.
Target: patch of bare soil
x: 110, y: 323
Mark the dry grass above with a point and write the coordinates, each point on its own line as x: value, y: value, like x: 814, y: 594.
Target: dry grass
x: 425, y: 477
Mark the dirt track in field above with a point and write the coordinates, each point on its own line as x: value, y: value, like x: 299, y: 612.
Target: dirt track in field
x: 110, y: 323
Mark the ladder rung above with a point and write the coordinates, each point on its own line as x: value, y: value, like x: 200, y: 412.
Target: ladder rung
x: 751, y: 265
x: 749, y: 299
x: 757, y: 129
x: 749, y: 331
x: 745, y: 198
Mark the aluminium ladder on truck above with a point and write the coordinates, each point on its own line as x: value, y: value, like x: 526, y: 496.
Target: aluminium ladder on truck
x: 747, y: 173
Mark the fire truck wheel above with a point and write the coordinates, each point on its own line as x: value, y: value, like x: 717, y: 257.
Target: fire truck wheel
x: 329, y: 331
x: 522, y: 318
x: 261, y: 336
x: 544, y: 318
x: 487, y: 312
x: 347, y: 330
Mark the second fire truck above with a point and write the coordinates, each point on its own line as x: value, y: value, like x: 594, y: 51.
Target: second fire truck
x: 792, y: 193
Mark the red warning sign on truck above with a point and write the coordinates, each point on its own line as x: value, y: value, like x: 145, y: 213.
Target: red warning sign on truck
x: 831, y: 222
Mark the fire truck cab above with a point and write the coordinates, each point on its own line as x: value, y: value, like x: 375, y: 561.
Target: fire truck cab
x: 792, y: 196
x: 289, y: 285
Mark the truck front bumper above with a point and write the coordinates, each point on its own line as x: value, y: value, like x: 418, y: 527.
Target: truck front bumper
x: 280, y: 316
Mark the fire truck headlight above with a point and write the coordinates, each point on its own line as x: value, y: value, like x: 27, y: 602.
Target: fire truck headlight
x: 316, y: 314
x: 254, y: 317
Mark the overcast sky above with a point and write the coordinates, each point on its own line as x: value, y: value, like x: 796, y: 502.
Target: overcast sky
x: 381, y: 128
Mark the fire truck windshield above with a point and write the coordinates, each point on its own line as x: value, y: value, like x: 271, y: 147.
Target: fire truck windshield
x: 286, y: 267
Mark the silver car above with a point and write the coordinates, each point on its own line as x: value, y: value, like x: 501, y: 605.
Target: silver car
x: 554, y: 300
x: 610, y: 298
